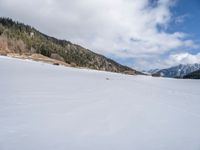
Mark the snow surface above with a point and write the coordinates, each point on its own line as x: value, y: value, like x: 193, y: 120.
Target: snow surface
x: 46, y: 107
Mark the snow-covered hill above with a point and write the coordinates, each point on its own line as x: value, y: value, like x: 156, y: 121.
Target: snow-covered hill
x: 177, y: 71
x: 46, y: 107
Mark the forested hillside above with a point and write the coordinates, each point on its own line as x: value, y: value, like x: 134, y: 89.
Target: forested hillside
x: 193, y: 75
x: 18, y: 38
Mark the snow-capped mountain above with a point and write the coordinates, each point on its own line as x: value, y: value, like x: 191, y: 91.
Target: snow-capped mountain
x: 177, y: 71
x: 152, y: 71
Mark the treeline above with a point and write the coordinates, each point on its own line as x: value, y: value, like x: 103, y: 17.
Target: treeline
x: 193, y: 75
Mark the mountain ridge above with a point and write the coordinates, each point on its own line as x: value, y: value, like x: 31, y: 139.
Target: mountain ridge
x: 178, y: 71
x: 19, y: 38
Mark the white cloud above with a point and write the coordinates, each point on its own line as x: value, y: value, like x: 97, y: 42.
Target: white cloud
x: 124, y: 28
x: 157, y: 62
x: 184, y: 58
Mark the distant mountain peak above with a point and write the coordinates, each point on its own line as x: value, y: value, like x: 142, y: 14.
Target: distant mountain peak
x: 178, y: 71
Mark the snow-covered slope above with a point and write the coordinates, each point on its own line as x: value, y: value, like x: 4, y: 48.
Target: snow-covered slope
x: 45, y: 107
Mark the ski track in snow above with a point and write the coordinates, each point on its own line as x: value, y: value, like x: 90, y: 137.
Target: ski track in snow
x: 46, y: 107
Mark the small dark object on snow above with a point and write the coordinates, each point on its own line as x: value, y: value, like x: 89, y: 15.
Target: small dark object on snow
x: 57, y: 64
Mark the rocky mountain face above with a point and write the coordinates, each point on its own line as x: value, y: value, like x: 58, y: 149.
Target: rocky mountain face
x: 152, y: 71
x: 23, y: 39
x: 193, y: 75
x: 177, y: 71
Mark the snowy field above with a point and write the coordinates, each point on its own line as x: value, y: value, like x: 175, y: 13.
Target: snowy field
x: 46, y: 107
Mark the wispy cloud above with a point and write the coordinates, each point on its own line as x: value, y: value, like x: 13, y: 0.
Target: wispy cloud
x: 181, y: 19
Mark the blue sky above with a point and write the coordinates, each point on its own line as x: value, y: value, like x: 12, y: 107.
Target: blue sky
x: 186, y: 20
x: 191, y: 23
x: 142, y: 34
x: 190, y: 9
